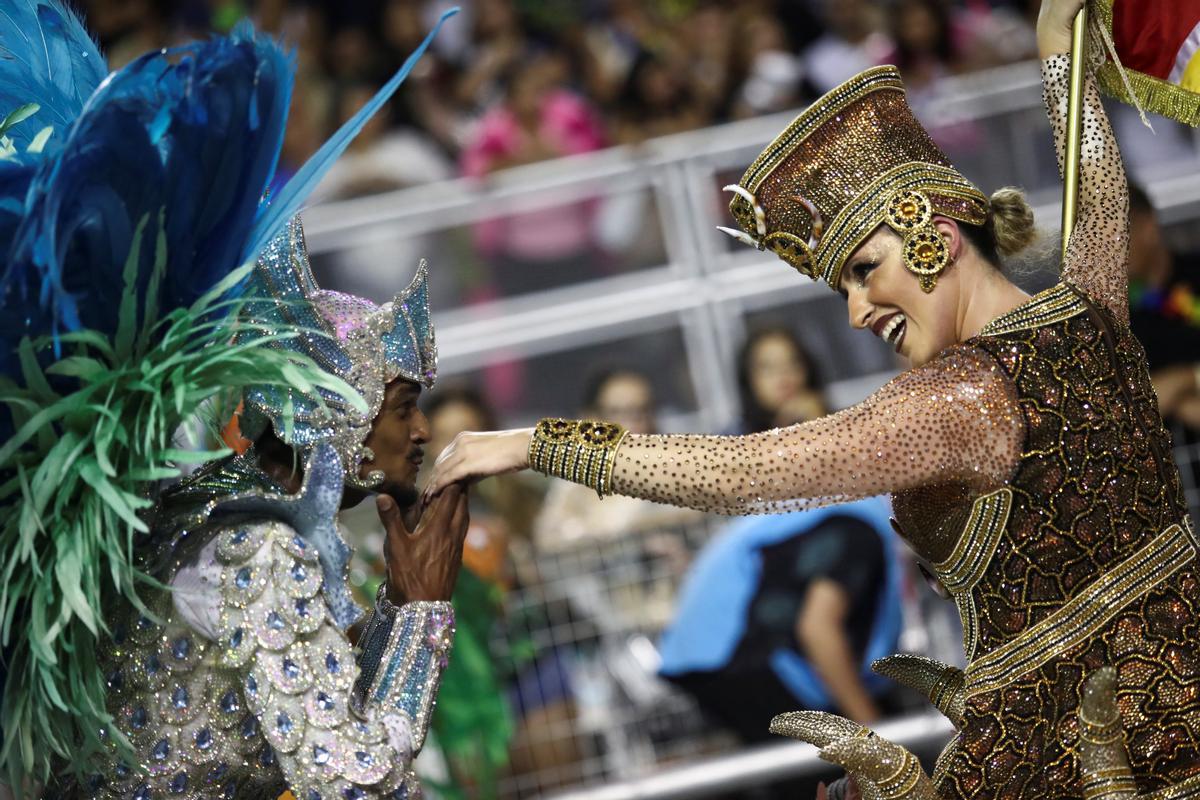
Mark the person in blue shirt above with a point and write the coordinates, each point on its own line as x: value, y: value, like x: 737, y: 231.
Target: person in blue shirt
x: 787, y: 610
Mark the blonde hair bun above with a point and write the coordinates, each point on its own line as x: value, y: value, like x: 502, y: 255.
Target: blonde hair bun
x: 1011, y: 219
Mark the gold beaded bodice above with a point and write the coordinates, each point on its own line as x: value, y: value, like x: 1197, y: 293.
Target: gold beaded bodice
x: 1085, y: 558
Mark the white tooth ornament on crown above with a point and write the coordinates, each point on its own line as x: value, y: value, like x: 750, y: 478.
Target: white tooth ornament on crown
x: 760, y: 216
x: 789, y: 247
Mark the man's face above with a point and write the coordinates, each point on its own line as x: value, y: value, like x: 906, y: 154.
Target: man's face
x: 396, y: 437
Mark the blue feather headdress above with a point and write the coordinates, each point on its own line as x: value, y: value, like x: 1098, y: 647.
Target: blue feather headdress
x: 130, y: 216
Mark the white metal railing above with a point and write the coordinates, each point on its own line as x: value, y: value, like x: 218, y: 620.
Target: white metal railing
x: 700, y: 286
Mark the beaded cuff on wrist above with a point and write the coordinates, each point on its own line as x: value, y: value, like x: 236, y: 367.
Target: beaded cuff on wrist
x: 403, y: 652
x: 581, y: 451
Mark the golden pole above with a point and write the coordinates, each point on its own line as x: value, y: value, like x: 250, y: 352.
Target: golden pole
x: 1074, y: 125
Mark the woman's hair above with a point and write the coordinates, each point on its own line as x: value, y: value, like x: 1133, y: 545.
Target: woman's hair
x: 1009, y: 227
x: 755, y: 418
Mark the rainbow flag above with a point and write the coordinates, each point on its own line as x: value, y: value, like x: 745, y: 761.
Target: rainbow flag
x: 1158, y: 43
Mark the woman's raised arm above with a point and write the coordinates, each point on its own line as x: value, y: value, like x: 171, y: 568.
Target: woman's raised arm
x: 1098, y: 251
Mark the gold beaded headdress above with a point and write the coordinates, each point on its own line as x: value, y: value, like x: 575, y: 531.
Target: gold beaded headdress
x: 855, y: 159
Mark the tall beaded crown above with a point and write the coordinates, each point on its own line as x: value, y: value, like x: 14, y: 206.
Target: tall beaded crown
x: 855, y: 159
x: 366, y: 345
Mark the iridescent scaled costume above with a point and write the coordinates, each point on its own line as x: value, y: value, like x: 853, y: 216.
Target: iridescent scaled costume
x: 241, y: 680
x: 1028, y: 465
x: 189, y: 642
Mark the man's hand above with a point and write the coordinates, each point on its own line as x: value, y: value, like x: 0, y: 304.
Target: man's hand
x: 423, y: 564
x: 841, y: 789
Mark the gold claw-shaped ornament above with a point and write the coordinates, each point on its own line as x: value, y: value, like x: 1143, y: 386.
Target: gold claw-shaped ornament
x: 941, y: 683
x: 883, y: 770
x: 892, y: 772
x: 1103, y: 759
x: 816, y: 727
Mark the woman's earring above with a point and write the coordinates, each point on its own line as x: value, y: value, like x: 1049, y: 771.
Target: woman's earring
x: 925, y: 253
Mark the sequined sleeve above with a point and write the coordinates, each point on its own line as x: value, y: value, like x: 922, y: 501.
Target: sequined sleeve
x: 335, y: 734
x: 402, y: 653
x: 954, y: 419
x: 1098, y: 252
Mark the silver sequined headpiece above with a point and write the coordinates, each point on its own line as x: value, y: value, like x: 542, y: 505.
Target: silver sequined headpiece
x: 366, y: 345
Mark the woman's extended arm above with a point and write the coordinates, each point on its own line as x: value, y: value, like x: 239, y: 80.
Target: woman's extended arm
x: 1099, y: 246
x: 954, y: 419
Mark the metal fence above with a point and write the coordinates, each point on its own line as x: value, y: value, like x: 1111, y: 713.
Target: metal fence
x: 651, y: 284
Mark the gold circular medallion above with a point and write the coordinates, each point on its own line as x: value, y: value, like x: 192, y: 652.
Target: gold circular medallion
x: 925, y: 252
x: 909, y: 210
x: 794, y: 251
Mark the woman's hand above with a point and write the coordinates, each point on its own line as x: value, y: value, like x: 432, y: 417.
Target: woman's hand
x: 1055, y: 20
x: 473, y: 456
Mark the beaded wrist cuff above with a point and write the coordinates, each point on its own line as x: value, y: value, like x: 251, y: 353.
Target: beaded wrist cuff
x: 581, y: 451
x: 403, y: 652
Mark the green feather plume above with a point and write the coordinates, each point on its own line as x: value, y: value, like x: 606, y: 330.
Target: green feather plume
x: 77, y: 486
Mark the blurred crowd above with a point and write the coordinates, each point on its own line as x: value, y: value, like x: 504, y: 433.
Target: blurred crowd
x: 511, y: 82
x: 572, y: 610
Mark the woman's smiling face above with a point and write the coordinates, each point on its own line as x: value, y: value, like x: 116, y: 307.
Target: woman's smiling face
x: 886, y: 298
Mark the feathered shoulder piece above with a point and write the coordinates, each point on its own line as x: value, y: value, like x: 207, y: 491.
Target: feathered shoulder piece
x: 130, y: 217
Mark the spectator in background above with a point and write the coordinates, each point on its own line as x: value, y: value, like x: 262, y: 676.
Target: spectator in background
x: 1164, y: 312
x: 614, y: 42
x: 573, y: 528
x: 539, y: 119
x: 507, y: 498
x: 787, y: 610
x: 773, y: 75
x: 498, y: 43
x: 428, y: 102
x: 777, y: 381
x: 655, y: 100
x: 472, y: 722
x: 384, y: 156
x: 927, y: 49
x: 851, y: 43
x: 573, y: 514
x: 707, y: 38
x: 924, y: 43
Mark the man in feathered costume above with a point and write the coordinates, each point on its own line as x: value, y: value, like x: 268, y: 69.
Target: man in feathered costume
x: 193, y: 642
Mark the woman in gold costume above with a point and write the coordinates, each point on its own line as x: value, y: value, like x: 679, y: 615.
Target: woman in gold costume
x: 1023, y: 449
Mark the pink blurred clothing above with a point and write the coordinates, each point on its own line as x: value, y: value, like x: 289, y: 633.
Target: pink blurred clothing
x: 570, y: 126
